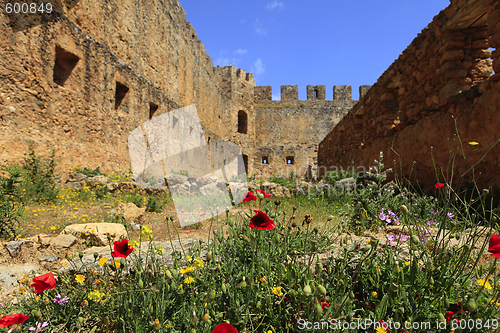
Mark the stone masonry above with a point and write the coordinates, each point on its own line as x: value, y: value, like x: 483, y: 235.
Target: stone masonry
x: 445, y: 76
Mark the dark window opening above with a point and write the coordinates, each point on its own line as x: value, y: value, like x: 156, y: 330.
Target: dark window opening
x: 289, y: 160
x: 245, y: 163
x: 242, y: 122
x: 265, y: 160
x: 64, y: 65
x: 121, y: 91
x: 152, y: 109
x: 315, y: 94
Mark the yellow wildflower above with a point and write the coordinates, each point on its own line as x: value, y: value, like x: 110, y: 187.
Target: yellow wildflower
x: 180, y: 286
x: 188, y: 280
x: 159, y: 249
x: 473, y: 143
x: 146, y: 231
x: 374, y: 294
x: 96, y: 296
x: 189, y: 258
x: 277, y: 291
x: 80, y: 278
x: 198, y: 263
x: 263, y: 279
x: 102, y: 261
x: 484, y: 283
x: 188, y: 269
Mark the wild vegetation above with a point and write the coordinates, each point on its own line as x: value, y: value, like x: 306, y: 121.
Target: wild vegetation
x: 261, y: 270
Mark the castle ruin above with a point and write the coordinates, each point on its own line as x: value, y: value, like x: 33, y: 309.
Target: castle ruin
x: 83, y: 76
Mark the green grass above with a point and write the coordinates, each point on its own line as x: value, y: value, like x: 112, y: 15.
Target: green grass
x: 270, y: 280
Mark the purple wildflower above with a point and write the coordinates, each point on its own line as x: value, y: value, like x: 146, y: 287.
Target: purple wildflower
x: 434, y: 212
x: 451, y: 216
x: 39, y: 327
x: 403, y: 238
x: 431, y: 222
x: 61, y: 300
x: 391, y: 238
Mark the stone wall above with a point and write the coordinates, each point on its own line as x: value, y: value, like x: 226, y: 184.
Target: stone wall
x: 445, y: 75
x: 82, y: 77
x: 287, y: 132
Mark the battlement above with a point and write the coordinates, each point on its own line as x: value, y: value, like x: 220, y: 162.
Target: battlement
x: 231, y: 73
x: 290, y: 93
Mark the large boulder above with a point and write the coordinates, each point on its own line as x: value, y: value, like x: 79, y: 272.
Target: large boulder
x: 76, y: 177
x: 175, y: 179
x: 129, y: 212
x: 97, y: 232
x: 97, y: 180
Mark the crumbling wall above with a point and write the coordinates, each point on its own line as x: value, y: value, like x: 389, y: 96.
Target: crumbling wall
x: 445, y: 75
x: 82, y: 77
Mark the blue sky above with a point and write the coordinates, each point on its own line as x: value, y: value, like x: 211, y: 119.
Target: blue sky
x: 325, y: 42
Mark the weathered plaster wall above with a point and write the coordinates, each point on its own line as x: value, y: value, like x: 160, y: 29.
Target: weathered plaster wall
x: 444, y: 75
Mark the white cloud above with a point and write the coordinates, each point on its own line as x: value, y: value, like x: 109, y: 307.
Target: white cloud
x: 224, y: 61
x: 258, y: 67
x: 223, y: 52
x: 275, y: 4
x: 258, y: 27
x: 241, y: 51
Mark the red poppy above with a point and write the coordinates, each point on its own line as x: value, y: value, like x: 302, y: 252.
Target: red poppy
x: 224, y: 328
x: 203, y: 214
x: 10, y: 320
x: 44, y: 282
x: 261, y: 221
x: 449, y: 315
x: 266, y: 195
x: 122, y: 249
x: 494, y: 246
x: 323, y: 304
x: 249, y: 197
x: 439, y: 185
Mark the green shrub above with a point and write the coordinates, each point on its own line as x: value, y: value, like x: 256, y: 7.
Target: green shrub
x: 153, y: 206
x: 40, y: 182
x: 88, y: 172
x: 11, y: 207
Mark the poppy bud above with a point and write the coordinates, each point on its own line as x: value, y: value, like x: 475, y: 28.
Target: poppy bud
x: 322, y: 290
x: 471, y: 305
x: 242, y: 284
x: 80, y: 255
x: 366, y: 248
x: 194, y: 319
x: 122, y: 261
x: 260, y: 196
x: 81, y: 320
x: 318, y: 308
x: 157, y: 325
x: 415, y: 240
x: 403, y: 209
x: 140, y: 283
x: 150, y: 309
x: 96, y: 255
x: 223, y: 288
x: 277, y: 202
x: 431, y: 281
x: 168, y: 274
x: 307, y: 290
x: 209, y: 255
x: 38, y: 314
x: 105, y: 320
x: 211, y: 295
x: 206, y: 318
x: 441, y: 317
